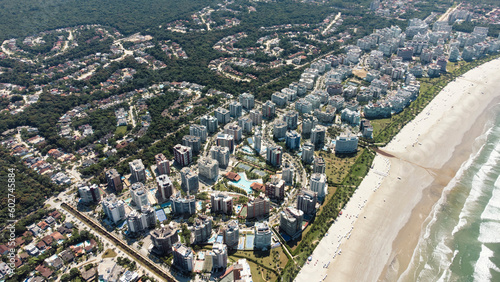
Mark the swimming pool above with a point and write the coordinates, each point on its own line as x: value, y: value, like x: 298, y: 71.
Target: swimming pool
x: 244, y: 183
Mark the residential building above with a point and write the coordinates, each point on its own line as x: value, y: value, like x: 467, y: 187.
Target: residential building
x: 218, y: 254
x: 245, y: 124
x: 221, y: 154
x: 258, y: 207
x: 318, y: 184
x: 137, y: 170
x: 183, y: 257
x: 183, y: 155
x: 280, y: 99
x: 319, y: 165
x: 162, y: 164
x: 247, y: 101
x: 274, y: 155
x: 235, y: 109
x: 202, y: 229
x: 165, y: 188
x: 233, y: 130
x: 89, y: 194
x: 113, y: 208
x: 210, y: 122
x: 232, y: 234
x: 275, y: 188
x: 256, y: 117
x: 279, y: 131
x: 199, y: 130
x: 291, y: 119
x: 268, y: 109
x: 306, y: 201
x: 346, y: 144
x: 307, y: 153
x: 221, y: 203
x: 208, y: 168
x: 183, y: 205
x: 139, y: 196
x: 303, y: 106
x: 114, y: 180
x: 257, y: 141
x: 163, y: 239
x: 263, y: 234
x: 318, y: 136
x: 308, y: 123
x: 288, y: 173
x: 292, y: 140
x: 351, y: 117
x: 366, y: 129
x: 222, y: 115
x: 189, y: 181
x: 291, y: 221
x: 225, y: 140
x: 138, y: 221
x: 193, y: 142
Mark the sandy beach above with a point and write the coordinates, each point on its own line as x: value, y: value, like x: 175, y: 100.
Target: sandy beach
x: 375, y: 236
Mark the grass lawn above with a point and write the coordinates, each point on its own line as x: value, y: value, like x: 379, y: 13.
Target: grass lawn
x: 337, y: 167
x: 379, y: 124
x: 109, y: 253
x: 270, y: 259
x: 121, y: 130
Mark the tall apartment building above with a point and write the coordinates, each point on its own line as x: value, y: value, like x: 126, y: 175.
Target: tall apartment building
x: 162, y: 164
x: 221, y: 154
x: 258, y: 207
x: 235, y: 109
x: 165, y: 188
x: 113, y: 208
x: 256, y: 117
x: 193, y: 142
x: 89, y: 194
x: 274, y: 155
x: 247, y: 101
x: 183, y: 205
x: 308, y: 123
x: 137, y: 170
x: 183, y: 155
x: 202, y: 229
x: 288, y: 173
x: 292, y: 140
x: 114, y: 180
x: 257, y: 141
x: 346, y: 144
x: 198, y: 130
x: 279, y: 130
x: 163, y: 239
x: 208, y: 168
x: 306, y: 201
x: 138, y: 221
x: 189, y: 181
x: 318, y: 135
x: 291, y: 221
x: 263, y: 234
x: 307, y: 153
x: 222, y: 115
x: 234, y: 130
x: 268, y: 110
x: 225, y: 140
x: 291, y: 119
x: 221, y: 203
x: 232, y: 234
x: 183, y: 257
x: 246, y: 124
x: 319, y: 165
x: 275, y: 188
x: 218, y: 254
x: 280, y: 99
x: 318, y: 184
x: 139, y: 196
x: 210, y: 122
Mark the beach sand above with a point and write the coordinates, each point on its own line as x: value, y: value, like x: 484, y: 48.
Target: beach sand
x: 399, y: 192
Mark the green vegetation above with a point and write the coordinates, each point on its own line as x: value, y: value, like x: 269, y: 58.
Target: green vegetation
x: 121, y: 131
x: 265, y: 266
x: 109, y: 253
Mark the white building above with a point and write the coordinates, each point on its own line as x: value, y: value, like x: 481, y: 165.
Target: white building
x: 113, y: 208
x: 208, y: 168
x: 318, y: 184
x: 263, y: 234
x: 346, y: 144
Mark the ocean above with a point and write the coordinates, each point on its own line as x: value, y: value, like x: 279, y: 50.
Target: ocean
x: 460, y: 240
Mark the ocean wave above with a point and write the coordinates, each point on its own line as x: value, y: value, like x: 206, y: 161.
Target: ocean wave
x: 484, y: 264
x: 492, y: 210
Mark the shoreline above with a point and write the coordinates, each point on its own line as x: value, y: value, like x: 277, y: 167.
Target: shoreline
x: 427, y: 152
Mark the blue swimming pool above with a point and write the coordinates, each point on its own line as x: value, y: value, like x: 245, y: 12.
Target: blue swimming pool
x: 244, y: 183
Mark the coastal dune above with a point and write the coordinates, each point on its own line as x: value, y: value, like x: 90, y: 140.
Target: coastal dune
x: 384, y: 218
